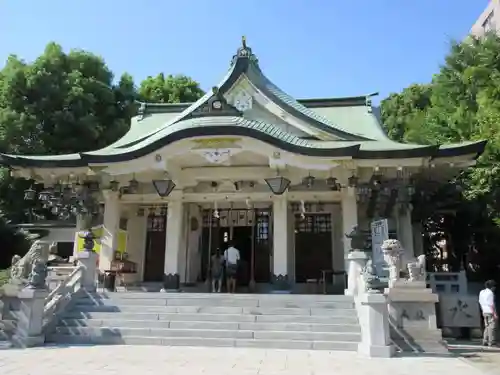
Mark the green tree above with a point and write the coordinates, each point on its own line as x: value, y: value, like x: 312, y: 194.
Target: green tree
x: 170, y: 89
x: 462, y: 103
x: 405, y: 111
x: 60, y: 103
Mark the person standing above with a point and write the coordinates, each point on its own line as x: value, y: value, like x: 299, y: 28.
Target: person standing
x: 232, y: 258
x: 487, y: 303
x: 217, y: 271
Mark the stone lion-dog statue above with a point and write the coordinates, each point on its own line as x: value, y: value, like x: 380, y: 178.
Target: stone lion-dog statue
x: 22, y: 267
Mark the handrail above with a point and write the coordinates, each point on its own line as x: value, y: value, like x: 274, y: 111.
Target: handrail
x: 62, y: 295
x: 64, y: 283
x: 403, y: 335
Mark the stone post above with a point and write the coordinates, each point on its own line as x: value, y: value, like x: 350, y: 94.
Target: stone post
x: 412, y: 311
x: 173, y: 242
x: 356, y: 261
x: 374, y: 321
x: 111, y: 223
x: 88, y: 259
x: 281, y: 282
x: 349, y: 220
x: 28, y: 332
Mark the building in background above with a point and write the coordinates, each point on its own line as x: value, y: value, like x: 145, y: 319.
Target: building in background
x: 489, y: 20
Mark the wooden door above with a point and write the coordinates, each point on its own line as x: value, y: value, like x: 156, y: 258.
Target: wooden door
x: 155, y: 248
x: 262, y: 246
x: 313, y: 246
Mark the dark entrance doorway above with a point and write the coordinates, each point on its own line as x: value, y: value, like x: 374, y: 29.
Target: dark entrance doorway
x: 154, y: 258
x: 313, y: 246
x: 247, y: 226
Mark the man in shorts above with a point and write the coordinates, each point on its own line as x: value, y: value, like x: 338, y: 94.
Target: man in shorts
x: 232, y: 258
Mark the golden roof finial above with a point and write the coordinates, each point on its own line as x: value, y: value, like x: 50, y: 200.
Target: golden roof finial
x: 244, y: 41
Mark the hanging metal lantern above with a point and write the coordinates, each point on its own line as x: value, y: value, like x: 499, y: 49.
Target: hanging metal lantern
x: 278, y: 184
x: 164, y: 187
x: 133, y: 186
x: 331, y: 182
x: 114, y: 185
x: 353, y: 181
x: 67, y: 193
x: 308, y: 181
x: 29, y: 194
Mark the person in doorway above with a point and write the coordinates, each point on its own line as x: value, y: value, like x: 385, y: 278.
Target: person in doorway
x: 232, y: 258
x: 487, y: 303
x: 217, y: 263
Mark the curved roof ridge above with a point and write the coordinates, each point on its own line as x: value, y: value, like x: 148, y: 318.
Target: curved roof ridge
x: 293, y: 106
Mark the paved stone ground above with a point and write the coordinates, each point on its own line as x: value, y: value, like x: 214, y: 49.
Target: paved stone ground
x: 144, y: 360
x: 488, y: 360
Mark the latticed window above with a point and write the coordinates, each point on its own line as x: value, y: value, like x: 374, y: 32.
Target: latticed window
x: 313, y: 223
x: 156, y: 223
x: 263, y: 218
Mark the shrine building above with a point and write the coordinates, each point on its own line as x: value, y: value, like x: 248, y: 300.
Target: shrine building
x: 283, y: 178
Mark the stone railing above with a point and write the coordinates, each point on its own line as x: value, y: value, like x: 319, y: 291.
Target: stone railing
x: 28, y: 313
x: 61, y: 296
x: 447, y: 282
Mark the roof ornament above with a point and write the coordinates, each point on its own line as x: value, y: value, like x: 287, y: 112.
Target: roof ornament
x: 244, y: 52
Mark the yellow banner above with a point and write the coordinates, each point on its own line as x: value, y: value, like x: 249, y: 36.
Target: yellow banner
x: 98, y: 232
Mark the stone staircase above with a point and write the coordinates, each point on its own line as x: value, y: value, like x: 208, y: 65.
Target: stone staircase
x: 195, y: 319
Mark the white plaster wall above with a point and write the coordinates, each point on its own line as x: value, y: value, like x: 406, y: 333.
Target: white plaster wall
x: 136, y: 245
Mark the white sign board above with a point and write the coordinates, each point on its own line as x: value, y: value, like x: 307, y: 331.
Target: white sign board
x: 380, y: 233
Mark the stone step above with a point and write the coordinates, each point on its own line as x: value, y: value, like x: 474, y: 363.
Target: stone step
x: 217, y: 301
x: 210, y: 333
x: 214, y: 310
x: 206, y: 317
x: 210, y: 325
x: 214, y: 296
x: 206, y: 342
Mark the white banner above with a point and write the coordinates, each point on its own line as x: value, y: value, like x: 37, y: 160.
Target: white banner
x: 380, y: 233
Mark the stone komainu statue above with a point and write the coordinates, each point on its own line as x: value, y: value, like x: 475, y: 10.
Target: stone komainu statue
x: 22, y: 268
x: 393, y: 250
x: 416, y: 270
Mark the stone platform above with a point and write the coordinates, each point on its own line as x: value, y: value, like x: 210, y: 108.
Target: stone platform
x: 125, y: 360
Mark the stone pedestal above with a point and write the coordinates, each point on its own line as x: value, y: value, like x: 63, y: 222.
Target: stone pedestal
x: 357, y: 261
x: 374, y: 321
x: 88, y: 259
x: 281, y: 284
x: 412, y: 314
x: 28, y: 332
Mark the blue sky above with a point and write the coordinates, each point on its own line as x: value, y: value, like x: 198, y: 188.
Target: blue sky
x: 310, y: 48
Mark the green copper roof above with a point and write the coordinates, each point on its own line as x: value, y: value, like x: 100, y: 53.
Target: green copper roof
x: 349, y: 119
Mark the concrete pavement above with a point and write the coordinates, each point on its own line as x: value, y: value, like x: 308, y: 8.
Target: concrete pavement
x: 124, y: 360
